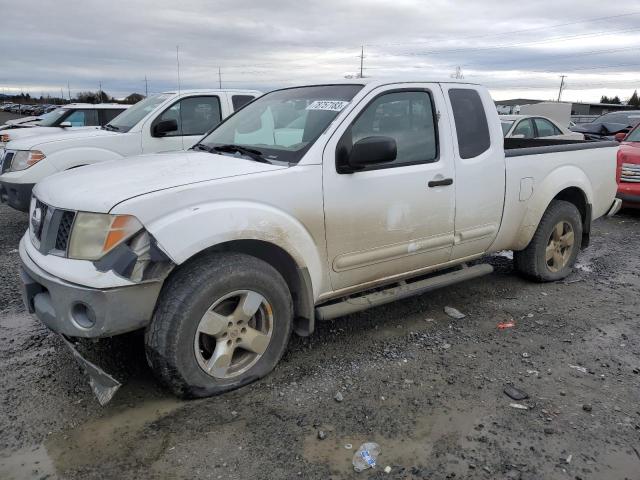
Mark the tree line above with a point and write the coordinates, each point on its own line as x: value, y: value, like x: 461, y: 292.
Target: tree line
x: 81, y: 97
x: 633, y: 101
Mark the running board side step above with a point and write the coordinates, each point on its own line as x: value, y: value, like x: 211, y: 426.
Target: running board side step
x: 399, y: 291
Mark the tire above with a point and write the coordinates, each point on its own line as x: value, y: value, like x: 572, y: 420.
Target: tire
x: 534, y: 262
x: 187, y: 324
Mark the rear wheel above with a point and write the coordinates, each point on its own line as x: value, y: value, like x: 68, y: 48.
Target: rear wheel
x: 555, y: 246
x: 222, y: 321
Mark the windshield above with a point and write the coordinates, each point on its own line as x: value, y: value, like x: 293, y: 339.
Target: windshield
x: 282, y: 125
x: 131, y: 116
x: 51, y: 119
x: 631, y: 119
x: 634, y: 136
x: 506, y: 125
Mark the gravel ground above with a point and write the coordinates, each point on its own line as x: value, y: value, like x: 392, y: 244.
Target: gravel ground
x: 427, y: 388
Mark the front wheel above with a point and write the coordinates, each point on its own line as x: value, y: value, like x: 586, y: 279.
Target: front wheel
x: 223, y: 321
x: 555, y: 246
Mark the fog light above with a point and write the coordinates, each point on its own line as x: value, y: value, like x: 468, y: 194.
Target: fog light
x: 82, y: 315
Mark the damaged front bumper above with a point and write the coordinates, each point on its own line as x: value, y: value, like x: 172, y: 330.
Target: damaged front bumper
x: 76, y: 311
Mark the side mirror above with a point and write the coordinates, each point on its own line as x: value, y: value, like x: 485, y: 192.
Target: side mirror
x: 160, y: 129
x: 372, y: 151
x: 620, y: 136
x: 65, y: 125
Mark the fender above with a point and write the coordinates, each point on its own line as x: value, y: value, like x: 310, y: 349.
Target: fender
x: 556, y: 181
x: 211, y: 224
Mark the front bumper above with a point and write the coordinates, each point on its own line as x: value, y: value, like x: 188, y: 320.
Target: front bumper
x: 78, y: 311
x: 629, y: 198
x: 17, y: 195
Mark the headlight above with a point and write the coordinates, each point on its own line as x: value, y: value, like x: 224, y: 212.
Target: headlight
x: 95, y: 234
x: 4, y: 139
x: 24, y: 159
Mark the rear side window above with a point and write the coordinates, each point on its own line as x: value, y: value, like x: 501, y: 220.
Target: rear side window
x: 471, y: 122
x: 240, y: 101
x: 546, y: 128
x: 524, y: 128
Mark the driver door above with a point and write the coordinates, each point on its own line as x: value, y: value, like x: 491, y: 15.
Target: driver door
x: 393, y: 218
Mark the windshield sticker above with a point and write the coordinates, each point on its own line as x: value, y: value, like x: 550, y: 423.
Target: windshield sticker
x: 331, y: 105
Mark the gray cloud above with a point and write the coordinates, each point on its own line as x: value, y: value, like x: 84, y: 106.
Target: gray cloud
x: 513, y: 47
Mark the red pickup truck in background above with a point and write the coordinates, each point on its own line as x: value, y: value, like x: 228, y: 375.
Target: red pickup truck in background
x: 628, y: 171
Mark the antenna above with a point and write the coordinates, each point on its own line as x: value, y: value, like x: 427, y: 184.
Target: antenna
x: 178, y: 63
x: 146, y: 87
x: 69, y: 91
x: 219, y: 78
x: 361, y: 61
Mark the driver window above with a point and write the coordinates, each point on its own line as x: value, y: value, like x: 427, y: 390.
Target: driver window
x: 524, y: 128
x: 408, y: 118
x: 194, y: 115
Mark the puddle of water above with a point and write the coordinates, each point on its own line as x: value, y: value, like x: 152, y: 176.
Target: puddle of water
x: 31, y: 462
x: 95, y: 442
x: 408, y: 451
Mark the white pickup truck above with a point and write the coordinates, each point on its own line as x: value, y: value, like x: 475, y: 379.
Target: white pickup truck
x: 160, y: 123
x: 308, y: 204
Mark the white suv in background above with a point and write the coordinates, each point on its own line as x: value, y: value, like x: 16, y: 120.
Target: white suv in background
x: 165, y: 122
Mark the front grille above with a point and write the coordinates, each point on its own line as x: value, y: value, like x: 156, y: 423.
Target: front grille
x: 630, y: 173
x: 64, y: 230
x: 5, y: 162
x: 50, y: 228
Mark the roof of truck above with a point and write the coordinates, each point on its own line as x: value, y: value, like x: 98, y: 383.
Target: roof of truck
x: 215, y: 90
x: 98, y: 106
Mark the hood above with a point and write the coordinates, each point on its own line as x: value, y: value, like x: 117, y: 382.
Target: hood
x: 21, y: 131
x: 57, y: 135
x: 99, y: 187
x: 21, y: 120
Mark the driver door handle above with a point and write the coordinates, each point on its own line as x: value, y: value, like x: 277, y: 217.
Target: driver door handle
x: 441, y: 183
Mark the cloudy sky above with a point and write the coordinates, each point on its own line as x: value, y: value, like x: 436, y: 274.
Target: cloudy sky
x: 518, y: 49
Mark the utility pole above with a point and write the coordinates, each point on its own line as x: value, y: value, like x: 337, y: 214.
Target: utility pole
x: 100, y: 91
x: 361, y: 62
x: 69, y: 91
x: 219, y: 78
x: 562, y: 77
x: 146, y: 87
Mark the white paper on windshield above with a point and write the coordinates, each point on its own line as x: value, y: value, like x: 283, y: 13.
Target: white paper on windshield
x: 331, y: 105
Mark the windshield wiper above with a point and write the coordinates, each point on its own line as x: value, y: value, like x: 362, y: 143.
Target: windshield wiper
x: 110, y: 127
x: 249, y: 152
x: 201, y: 147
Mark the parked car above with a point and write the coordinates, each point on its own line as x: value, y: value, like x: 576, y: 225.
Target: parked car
x: 606, y: 126
x: 308, y: 204
x: 64, y: 119
x: 160, y: 123
x: 529, y: 126
x: 628, y: 172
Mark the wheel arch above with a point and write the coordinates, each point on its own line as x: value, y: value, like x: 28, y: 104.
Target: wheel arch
x: 297, y: 278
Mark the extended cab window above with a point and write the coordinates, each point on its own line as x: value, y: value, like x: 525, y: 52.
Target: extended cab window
x: 83, y: 118
x: 471, y: 122
x: 240, y: 101
x: 408, y: 118
x: 194, y: 115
